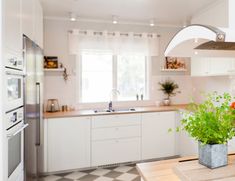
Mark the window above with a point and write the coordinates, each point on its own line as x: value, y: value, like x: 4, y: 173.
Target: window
x: 102, y: 72
x: 131, y: 77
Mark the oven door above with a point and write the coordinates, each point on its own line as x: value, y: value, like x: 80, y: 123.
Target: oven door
x: 15, y: 138
x: 14, y: 86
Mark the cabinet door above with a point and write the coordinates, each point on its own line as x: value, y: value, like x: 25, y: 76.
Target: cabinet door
x: 68, y: 143
x: 115, y: 151
x: 156, y: 140
x: 13, y: 31
x: 200, y: 66
x: 38, y: 24
x: 231, y: 146
x: 28, y: 17
x: 187, y: 145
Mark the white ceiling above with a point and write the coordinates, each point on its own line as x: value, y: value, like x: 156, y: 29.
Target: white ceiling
x: 165, y: 12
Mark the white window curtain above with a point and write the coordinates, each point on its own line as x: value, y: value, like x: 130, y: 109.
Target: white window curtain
x: 115, y: 42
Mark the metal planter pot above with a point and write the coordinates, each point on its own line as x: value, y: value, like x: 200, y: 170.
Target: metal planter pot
x: 213, y: 156
x: 166, y: 102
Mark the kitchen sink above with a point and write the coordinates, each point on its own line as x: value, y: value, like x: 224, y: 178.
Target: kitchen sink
x: 115, y: 110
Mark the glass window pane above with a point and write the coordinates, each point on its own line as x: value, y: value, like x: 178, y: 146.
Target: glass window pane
x: 131, y: 79
x: 96, y: 77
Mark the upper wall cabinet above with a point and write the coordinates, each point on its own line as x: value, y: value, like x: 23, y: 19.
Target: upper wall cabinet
x: 28, y: 18
x: 13, y: 31
x: 32, y: 20
x: 212, y: 66
x: 38, y: 24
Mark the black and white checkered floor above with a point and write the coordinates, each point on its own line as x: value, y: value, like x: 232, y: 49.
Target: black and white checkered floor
x: 121, y: 173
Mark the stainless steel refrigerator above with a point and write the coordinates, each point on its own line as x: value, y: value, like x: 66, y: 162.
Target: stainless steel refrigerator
x: 33, y: 93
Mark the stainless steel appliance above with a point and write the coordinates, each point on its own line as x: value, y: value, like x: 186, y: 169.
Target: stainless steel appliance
x: 202, y: 41
x: 14, y: 83
x: 33, y: 60
x: 15, y: 143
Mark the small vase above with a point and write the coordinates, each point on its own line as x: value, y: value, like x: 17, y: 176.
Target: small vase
x: 213, y: 156
x: 166, y: 102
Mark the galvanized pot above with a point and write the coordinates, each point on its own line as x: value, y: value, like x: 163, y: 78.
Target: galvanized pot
x: 213, y: 156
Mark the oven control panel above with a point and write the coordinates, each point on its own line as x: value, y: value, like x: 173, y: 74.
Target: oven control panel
x: 14, y: 117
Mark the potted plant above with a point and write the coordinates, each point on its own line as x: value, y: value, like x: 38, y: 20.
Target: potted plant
x: 211, y: 123
x: 169, y: 89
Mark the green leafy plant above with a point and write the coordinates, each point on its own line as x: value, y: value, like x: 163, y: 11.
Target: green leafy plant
x: 211, y: 122
x: 169, y: 88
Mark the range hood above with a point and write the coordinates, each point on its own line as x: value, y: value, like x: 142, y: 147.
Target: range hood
x: 202, y: 41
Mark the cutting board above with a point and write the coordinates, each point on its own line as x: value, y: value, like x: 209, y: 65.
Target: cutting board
x: 191, y: 170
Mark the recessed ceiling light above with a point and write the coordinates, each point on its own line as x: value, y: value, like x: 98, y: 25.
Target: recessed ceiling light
x: 115, y: 19
x: 195, y: 40
x: 72, y: 16
x: 195, y: 52
x: 151, y: 22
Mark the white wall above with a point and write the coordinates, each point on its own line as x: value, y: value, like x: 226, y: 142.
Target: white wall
x: 221, y: 84
x: 56, y: 44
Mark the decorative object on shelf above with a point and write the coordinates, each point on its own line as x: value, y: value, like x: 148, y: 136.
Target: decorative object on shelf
x: 174, y: 63
x: 168, y: 87
x: 53, y: 105
x: 211, y: 123
x: 51, y: 62
x: 65, y: 74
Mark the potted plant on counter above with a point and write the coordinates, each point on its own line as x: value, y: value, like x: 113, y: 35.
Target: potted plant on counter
x: 211, y: 123
x: 168, y: 87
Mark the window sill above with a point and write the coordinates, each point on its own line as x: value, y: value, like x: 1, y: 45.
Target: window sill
x: 116, y: 104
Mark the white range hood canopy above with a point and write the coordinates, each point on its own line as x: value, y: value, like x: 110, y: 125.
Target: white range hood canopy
x: 202, y: 41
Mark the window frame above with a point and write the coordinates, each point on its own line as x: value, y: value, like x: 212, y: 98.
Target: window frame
x: 148, y: 81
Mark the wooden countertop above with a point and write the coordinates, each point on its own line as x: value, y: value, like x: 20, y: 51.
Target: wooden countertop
x: 168, y: 170
x: 160, y: 170
x: 146, y: 109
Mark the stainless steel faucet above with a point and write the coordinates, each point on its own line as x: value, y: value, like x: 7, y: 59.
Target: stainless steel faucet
x: 110, y: 106
x: 113, y: 95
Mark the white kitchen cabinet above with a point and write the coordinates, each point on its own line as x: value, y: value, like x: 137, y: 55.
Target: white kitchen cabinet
x: 187, y: 145
x: 157, y: 142
x: 115, y: 139
x: 13, y: 31
x: 32, y: 20
x: 212, y: 66
x: 38, y: 24
x: 28, y: 17
x: 115, y: 151
x: 231, y: 146
x: 68, y: 143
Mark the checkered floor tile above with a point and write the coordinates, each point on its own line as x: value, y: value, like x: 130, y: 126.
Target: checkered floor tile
x: 121, y: 173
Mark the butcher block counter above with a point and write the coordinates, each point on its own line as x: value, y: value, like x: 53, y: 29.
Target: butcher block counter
x: 185, y: 169
x: 146, y: 109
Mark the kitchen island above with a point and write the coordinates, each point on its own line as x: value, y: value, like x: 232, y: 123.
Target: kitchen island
x: 185, y: 169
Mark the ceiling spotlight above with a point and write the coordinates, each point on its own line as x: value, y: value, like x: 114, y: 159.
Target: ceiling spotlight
x: 151, y: 22
x: 115, y: 19
x: 72, y: 16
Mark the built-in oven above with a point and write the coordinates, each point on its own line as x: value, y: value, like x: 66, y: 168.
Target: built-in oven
x: 15, y: 138
x: 14, y: 87
x: 14, y: 61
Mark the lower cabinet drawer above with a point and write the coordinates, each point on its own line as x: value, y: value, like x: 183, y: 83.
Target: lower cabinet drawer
x: 115, y: 151
x: 116, y: 132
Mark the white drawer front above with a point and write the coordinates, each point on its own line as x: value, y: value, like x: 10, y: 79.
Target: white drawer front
x: 115, y: 151
x: 116, y: 132
x: 116, y: 120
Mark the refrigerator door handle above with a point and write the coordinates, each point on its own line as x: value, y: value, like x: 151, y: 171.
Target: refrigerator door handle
x: 38, y: 121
